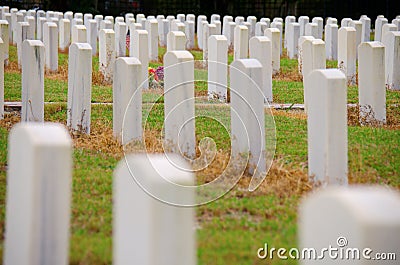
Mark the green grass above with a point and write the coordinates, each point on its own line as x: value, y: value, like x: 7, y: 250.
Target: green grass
x: 230, y: 229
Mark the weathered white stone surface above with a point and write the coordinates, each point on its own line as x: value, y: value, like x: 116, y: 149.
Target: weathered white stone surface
x: 218, y: 67
x: 225, y: 25
x: 190, y: 34
x: 274, y: 35
x: 181, y: 17
x: 311, y: 29
x: 379, y: 22
x: 371, y: 82
x: 32, y: 26
x: 303, y: 20
x: 347, y: 53
x: 358, y: 221
x: 176, y: 41
x: 199, y: 30
x: 50, y: 41
x: 39, y: 27
x: 288, y: 20
x: 179, y: 123
x: 331, y: 41
x: 357, y: 25
x: 392, y: 59
x: 98, y: 19
x: 247, y: 114
x: 79, y: 34
x: 208, y: 30
x: 38, y: 195
x: 260, y: 28
x: 120, y: 39
x: 107, y: 54
x: 266, y: 20
x: 152, y: 30
x: 261, y: 49
x: 313, y: 57
x: 22, y: 29
x: 386, y: 28
x: 320, y: 22
x: 4, y: 35
x: 163, y: 29
x: 33, y: 64
x: 65, y: 34
x: 239, y: 20
x: 241, y: 43
x: 191, y: 17
x: 142, y: 223
x: 215, y: 17
x: 79, y: 87
x: 127, y: 100
x: 366, y: 29
x: 231, y: 34
x: 141, y: 51
x: 252, y: 30
x: 92, y: 32
x: 106, y: 24
x: 345, y: 22
x: 7, y: 17
x: 278, y: 25
x: 327, y: 126
x: 293, y: 35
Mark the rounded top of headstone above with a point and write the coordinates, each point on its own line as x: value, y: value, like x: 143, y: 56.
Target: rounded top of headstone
x: 246, y: 63
x: 328, y: 74
x: 53, y: 134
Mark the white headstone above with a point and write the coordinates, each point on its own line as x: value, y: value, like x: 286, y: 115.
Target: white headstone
x: 208, y: 30
x: 120, y: 39
x: 293, y: 35
x: 247, y: 114
x: 357, y: 25
x: 79, y: 34
x: 241, y: 43
x: 217, y: 67
x: 33, y: 64
x: 98, y: 19
x: 127, y: 100
x: 32, y: 26
x: 366, y: 29
x: 313, y: 54
x: 279, y: 26
x: 288, y: 20
x: 347, y: 53
x: 179, y: 103
x: 181, y: 17
x: 190, y: 34
x: 266, y: 20
x: 79, y: 87
x: 91, y: 31
x: 176, y: 41
x: 107, y: 54
x: 141, y: 51
x: 331, y: 40
x: 320, y: 22
x: 327, y: 127
x: 261, y: 27
x: 50, y: 41
x: 225, y: 25
x: 163, y: 28
x: 379, y: 22
x: 355, y: 223
x: 303, y: 20
x: 201, y: 20
x: 345, y: 22
x: 142, y: 223
x: 38, y: 195
x: 371, y: 82
x: 4, y: 31
x: 191, y: 17
x: 106, y: 24
x: 261, y: 49
x: 252, y: 30
x: 21, y: 35
x: 7, y: 17
x: 39, y: 27
x: 65, y: 34
x: 274, y: 35
x: 311, y: 29
x: 214, y: 17
x: 152, y: 29
x: 392, y: 59
x: 239, y: 20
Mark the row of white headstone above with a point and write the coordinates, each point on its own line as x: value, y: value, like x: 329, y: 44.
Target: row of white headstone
x: 38, y: 210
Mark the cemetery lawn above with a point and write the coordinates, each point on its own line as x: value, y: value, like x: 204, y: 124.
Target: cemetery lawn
x: 231, y: 229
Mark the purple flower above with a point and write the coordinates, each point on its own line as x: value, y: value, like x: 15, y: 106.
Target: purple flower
x: 160, y: 73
